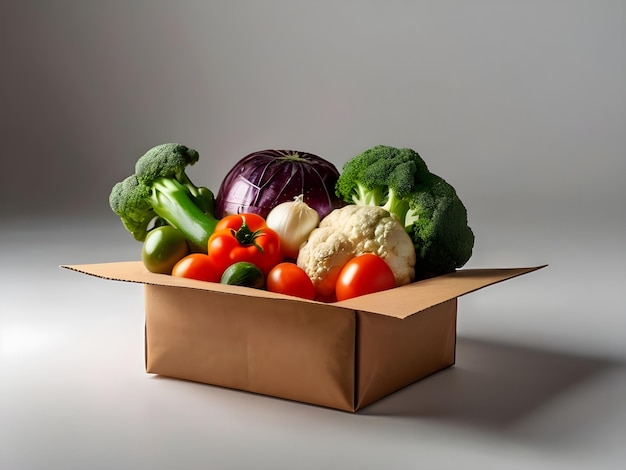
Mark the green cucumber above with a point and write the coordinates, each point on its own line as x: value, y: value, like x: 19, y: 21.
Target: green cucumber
x: 243, y: 274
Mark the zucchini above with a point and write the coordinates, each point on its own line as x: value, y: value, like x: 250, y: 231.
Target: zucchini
x: 243, y: 274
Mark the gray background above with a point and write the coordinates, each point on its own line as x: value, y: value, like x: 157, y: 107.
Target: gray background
x: 520, y: 105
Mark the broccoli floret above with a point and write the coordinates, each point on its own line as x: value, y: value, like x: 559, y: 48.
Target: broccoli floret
x: 381, y: 176
x: 161, y: 192
x: 439, y: 227
x: 428, y: 207
x: 171, y: 161
x: 130, y: 200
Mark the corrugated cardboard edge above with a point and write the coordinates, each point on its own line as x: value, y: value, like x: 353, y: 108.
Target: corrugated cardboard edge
x: 416, y: 297
x: 135, y: 271
x: 400, y: 302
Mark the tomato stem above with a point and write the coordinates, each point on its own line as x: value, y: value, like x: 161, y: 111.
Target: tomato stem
x: 246, y: 237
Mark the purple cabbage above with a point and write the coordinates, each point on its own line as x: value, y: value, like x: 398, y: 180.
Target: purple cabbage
x: 262, y: 180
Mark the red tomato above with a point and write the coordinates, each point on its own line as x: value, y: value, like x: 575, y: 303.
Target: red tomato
x: 288, y: 278
x: 197, y: 266
x: 364, y: 274
x: 244, y: 237
x: 234, y: 221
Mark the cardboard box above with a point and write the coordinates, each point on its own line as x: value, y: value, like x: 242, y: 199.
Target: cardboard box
x: 344, y: 355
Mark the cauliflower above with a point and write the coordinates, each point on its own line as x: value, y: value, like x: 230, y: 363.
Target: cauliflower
x: 351, y: 231
x: 323, y: 255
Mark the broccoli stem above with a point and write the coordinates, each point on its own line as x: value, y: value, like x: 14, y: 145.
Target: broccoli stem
x: 172, y: 202
x: 367, y: 196
x: 396, y: 206
x: 201, y: 196
x: 412, y: 216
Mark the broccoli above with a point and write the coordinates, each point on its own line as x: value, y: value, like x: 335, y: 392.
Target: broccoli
x: 428, y: 206
x: 160, y: 192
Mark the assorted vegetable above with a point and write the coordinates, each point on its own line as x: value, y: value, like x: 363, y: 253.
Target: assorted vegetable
x: 262, y: 180
x: 364, y: 274
x: 161, y: 192
x: 352, y: 231
x: 287, y: 278
x: 197, y: 266
x: 245, y: 237
x: 291, y: 223
x: 163, y: 248
x: 243, y: 273
x: 427, y: 206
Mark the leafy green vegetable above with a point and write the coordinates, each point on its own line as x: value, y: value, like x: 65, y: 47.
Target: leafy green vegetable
x: 427, y: 206
x: 160, y: 192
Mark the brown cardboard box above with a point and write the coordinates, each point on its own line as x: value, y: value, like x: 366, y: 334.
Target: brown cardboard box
x: 344, y: 355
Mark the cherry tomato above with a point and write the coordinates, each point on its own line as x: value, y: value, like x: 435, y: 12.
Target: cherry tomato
x: 364, y: 274
x: 197, y: 266
x: 288, y: 278
x: 244, y: 237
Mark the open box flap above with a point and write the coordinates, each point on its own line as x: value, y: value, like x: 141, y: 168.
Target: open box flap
x: 400, y: 302
x: 135, y: 271
x: 407, y: 300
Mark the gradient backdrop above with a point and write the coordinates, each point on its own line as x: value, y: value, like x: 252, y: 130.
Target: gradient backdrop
x: 521, y: 105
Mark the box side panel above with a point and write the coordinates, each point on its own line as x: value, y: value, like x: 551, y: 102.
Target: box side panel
x: 292, y: 350
x: 393, y: 353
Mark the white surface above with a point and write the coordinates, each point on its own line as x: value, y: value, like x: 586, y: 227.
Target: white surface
x: 74, y: 394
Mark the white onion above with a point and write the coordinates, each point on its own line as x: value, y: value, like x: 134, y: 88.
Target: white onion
x: 293, y: 221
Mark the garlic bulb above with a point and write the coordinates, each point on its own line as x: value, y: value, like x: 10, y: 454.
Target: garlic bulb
x: 293, y: 221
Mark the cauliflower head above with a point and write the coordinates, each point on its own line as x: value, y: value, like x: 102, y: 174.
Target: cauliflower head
x: 323, y: 255
x: 351, y: 231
